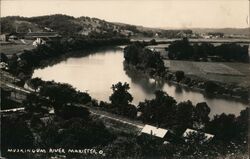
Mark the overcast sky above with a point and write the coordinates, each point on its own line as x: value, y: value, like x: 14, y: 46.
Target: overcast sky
x: 150, y: 13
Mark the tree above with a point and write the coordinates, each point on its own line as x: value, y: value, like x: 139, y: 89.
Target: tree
x: 201, y: 112
x: 180, y: 50
x: 36, y: 82
x: 77, y: 133
x: 72, y: 111
x: 120, y: 95
x: 3, y: 58
x: 58, y: 94
x: 243, y: 122
x: 35, y: 103
x: 13, y: 64
x: 153, y: 42
x: 160, y: 111
x: 121, y: 99
x: 131, y: 53
x: 210, y: 87
x: 184, y: 115
x: 179, y: 75
x: 144, y: 58
x: 224, y: 127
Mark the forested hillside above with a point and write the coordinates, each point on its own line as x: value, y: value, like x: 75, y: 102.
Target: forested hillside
x: 69, y: 25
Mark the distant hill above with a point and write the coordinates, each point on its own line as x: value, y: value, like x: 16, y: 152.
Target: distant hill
x: 93, y: 27
x: 64, y: 24
x: 68, y: 25
x: 227, y: 31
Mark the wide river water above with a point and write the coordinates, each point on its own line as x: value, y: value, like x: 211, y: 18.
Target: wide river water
x: 97, y: 72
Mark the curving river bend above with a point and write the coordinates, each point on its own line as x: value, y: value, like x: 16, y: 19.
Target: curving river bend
x: 97, y: 72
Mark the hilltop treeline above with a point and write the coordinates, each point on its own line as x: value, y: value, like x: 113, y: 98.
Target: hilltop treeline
x: 63, y: 24
x: 183, y: 50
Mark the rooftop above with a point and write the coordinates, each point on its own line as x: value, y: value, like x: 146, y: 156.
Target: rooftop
x: 151, y: 130
x: 189, y: 131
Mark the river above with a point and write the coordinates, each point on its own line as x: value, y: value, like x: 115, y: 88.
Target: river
x: 97, y: 72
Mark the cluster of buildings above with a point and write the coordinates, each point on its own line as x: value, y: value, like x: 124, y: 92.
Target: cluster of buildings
x: 38, y: 37
x: 164, y: 133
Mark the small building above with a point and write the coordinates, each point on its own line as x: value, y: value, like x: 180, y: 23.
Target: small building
x: 85, y: 32
x: 3, y: 65
x: 151, y: 130
x: 3, y: 37
x: 191, y: 131
x: 39, y: 41
x: 52, y: 112
x: 12, y: 37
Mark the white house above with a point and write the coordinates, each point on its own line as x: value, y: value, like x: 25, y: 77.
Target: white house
x: 3, y: 65
x: 3, y: 37
x: 190, y: 131
x: 12, y: 37
x: 151, y: 130
x: 39, y: 41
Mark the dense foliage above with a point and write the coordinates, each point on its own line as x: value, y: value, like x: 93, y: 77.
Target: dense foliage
x: 143, y: 58
x: 58, y: 93
x: 121, y: 101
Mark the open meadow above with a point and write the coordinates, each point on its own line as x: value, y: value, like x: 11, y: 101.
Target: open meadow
x: 226, y: 72
x: 16, y: 47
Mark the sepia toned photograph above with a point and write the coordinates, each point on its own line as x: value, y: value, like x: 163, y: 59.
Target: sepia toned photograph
x: 124, y: 79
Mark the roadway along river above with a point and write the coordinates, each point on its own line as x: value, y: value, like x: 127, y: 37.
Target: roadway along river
x: 97, y: 72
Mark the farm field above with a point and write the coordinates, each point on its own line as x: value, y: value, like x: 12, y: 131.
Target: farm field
x: 226, y: 72
x: 16, y: 48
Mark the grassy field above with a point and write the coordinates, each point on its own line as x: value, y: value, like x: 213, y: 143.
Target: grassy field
x: 16, y: 47
x: 226, y: 72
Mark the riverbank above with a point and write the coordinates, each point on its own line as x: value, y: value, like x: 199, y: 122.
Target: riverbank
x: 194, y: 88
x: 148, y: 61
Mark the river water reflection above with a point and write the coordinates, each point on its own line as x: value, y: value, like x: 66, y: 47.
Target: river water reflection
x: 97, y: 72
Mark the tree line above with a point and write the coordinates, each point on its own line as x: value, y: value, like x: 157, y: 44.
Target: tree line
x: 184, y: 50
